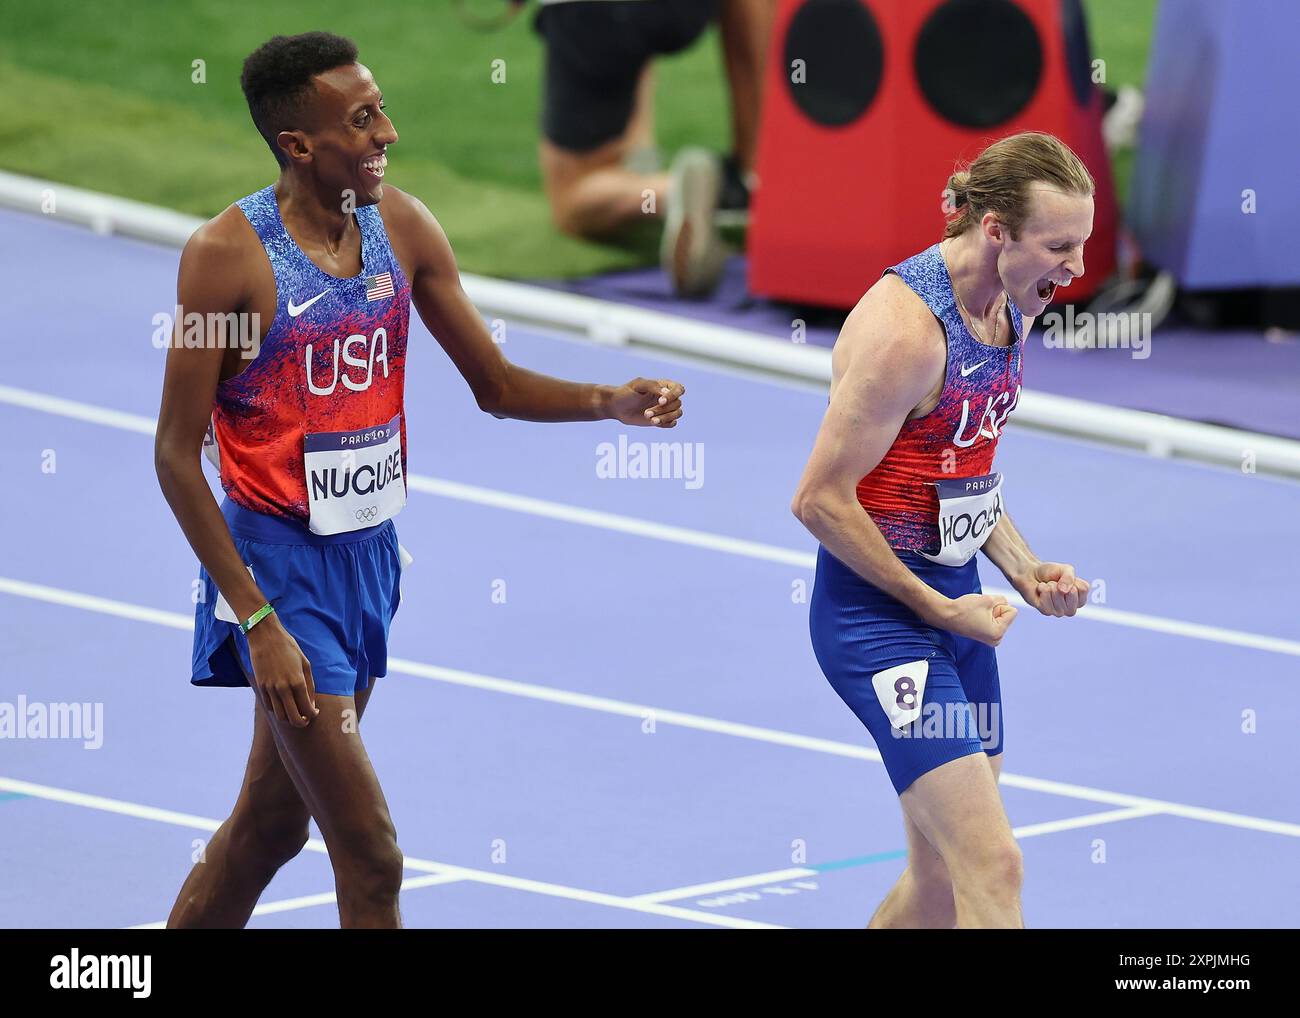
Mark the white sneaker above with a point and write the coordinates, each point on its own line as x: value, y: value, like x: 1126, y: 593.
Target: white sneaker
x: 692, y: 251
x: 1120, y: 125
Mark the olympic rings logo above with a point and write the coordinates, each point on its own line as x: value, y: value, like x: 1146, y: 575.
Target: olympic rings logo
x: 367, y: 513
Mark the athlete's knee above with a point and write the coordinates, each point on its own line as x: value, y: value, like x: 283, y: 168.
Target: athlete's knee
x: 271, y: 837
x: 1008, y: 864
x: 995, y: 867
x: 573, y: 218
x: 564, y: 216
x: 579, y: 210
x: 933, y: 897
x: 932, y: 885
x: 373, y: 863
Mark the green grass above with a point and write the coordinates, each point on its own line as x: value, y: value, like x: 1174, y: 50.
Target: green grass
x: 102, y: 97
x: 1120, y: 33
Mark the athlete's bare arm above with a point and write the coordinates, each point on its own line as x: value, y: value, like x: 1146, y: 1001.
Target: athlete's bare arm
x: 888, y: 364
x: 501, y: 388
x: 1051, y: 587
x: 219, y: 274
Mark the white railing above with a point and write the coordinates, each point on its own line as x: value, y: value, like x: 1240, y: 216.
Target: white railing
x: 612, y: 323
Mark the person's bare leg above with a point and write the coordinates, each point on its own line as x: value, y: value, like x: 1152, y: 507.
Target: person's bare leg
x: 745, y: 27
x: 922, y: 898
x: 266, y: 828
x: 956, y: 807
x: 591, y: 193
x: 333, y: 774
x: 640, y: 133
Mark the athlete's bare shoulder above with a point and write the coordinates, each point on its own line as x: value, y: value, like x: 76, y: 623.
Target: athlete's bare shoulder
x: 404, y: 215
x: 221, y: 259
x: 415, y: 234
x: 397, y: 207
x: 890, y: 336
x: 227, y: 233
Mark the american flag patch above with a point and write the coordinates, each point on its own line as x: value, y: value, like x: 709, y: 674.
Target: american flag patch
x: 380, y: 286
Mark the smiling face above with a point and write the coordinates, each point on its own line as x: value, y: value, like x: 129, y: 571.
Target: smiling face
x: 350, y: 133
x: 1048, y: 252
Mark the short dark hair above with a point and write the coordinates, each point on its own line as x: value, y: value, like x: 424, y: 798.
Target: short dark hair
x: 277, y: 79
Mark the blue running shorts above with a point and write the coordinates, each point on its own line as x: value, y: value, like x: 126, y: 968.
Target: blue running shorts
x: 335, y: 595
x: 925, y: 695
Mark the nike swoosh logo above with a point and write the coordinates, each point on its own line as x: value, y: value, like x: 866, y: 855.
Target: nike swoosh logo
x: 296, y: 309
x: 966, y: 371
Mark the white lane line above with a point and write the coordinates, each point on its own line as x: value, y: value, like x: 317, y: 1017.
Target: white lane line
x: 699, y: 722
x: 611, y: 521
x: 92, y: 603
x: 325, y: 898
x: 1176, y: 627
x: 475, y: 680
x: 1112, y: 816
x: 143, y: 812
x: 686, y: 536
x: 803, y: 873
x: 734, y: 884
x: 1211, y: 816
x: 89, y: 412
x: 640, y: 711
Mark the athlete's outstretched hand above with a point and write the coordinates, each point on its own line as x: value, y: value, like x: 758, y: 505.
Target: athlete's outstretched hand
x: 983, y: 617
x: 654, y: 402
x: 1054, y: 590
x: 282, y: 674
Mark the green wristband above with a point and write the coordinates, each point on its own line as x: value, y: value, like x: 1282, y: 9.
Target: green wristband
x: 257, y: 617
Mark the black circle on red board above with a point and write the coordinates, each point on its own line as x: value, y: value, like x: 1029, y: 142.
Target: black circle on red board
x: 978, y: 62
x: 843, y: 60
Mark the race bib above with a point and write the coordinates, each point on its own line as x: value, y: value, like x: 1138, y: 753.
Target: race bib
x: 354, y: 478
x: 969, y: 509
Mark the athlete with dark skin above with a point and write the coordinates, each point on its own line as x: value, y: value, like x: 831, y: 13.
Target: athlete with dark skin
x: 307, y: 758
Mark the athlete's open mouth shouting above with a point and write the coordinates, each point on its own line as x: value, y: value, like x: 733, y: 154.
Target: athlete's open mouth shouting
x: 1047, y: 289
